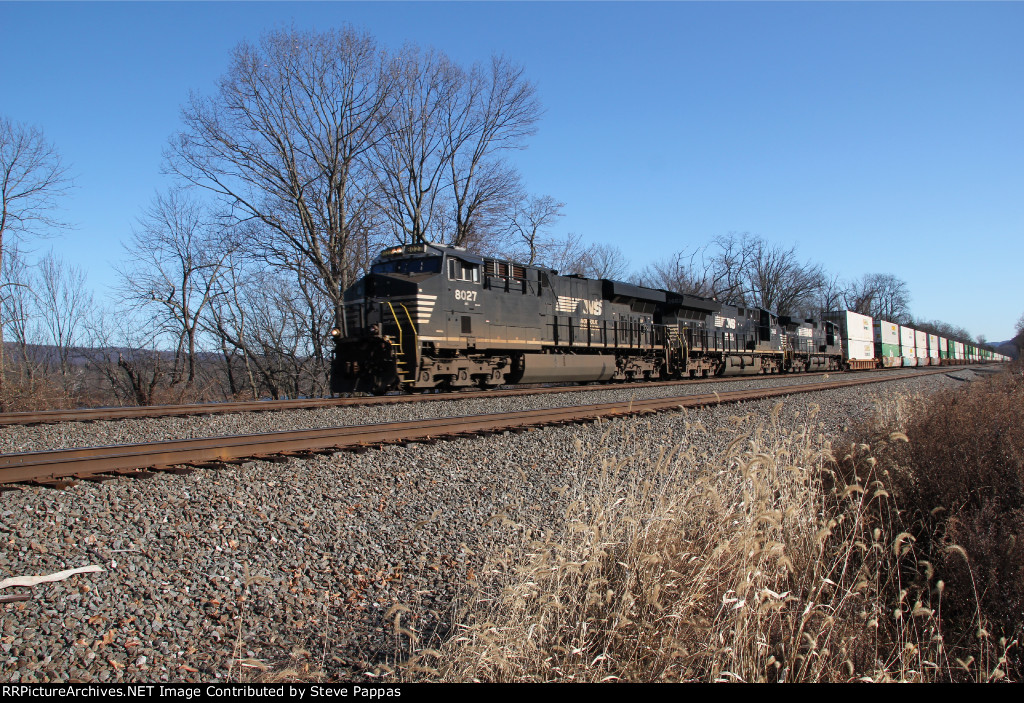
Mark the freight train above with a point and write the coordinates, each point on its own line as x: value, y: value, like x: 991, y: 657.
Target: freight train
x: 429, y: 316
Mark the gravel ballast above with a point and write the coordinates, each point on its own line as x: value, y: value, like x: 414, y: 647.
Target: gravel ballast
x: 66, y: 435
x: 216, y: 575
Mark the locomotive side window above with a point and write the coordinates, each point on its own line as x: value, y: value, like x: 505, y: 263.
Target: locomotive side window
x: 459, y: 270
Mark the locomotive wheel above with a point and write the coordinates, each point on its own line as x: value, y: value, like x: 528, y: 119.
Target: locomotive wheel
x: 486, y: 383
x: 382, y: 383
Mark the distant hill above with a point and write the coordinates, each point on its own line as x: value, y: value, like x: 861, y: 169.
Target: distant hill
x: 1009, y: 348
x: 81, y: 356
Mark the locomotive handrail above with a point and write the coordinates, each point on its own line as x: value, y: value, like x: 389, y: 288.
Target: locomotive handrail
x: 397, y: 323
x: 412, y: 326
x: 399, y: 357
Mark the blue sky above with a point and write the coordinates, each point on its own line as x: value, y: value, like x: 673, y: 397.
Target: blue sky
x: 878, y: 137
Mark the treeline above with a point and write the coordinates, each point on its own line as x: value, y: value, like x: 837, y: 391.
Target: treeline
x: 316, y: 151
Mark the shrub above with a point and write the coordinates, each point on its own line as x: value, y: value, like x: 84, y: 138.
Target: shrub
x: 957, y: 473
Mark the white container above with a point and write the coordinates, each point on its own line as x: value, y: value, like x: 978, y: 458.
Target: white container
x: 860, y: 350
x: 907, y: 342
x: 887, y: 332
x: 933, y: 346
x: 856, y: 332
x: 921, y: 344
x: 859, y: 327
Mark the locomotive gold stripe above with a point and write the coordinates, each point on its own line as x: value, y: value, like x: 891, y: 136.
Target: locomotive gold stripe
x: 533, y: 342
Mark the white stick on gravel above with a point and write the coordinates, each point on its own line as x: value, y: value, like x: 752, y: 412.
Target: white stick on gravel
x: 49, y: 578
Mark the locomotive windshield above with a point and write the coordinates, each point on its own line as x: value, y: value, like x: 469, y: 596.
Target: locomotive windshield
x: 412, y: 267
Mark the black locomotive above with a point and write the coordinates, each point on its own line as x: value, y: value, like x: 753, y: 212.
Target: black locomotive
x: 431, y: 316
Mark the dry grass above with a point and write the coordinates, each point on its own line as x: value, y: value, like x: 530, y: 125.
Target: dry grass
x: 957, y: 472
x: 762, y: 564
x: 39, y: 393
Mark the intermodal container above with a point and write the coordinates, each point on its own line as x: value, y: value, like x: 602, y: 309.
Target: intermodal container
x: 907, y: 342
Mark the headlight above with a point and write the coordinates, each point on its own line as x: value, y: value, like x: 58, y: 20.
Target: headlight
x: 335, y: 332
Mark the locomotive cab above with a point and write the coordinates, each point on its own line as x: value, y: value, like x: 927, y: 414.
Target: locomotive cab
x: 380, y: 311
x: 421, y: 315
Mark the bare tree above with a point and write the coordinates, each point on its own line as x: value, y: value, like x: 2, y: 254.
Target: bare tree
x: 176, y: 257
x: 263, y: 327
x: 730, y: 264
x: 65, y: 305
x: 32, y: 178
x: 125, y: 354
x: 527, y: 228
x: 829, y: 296
x: 777, y: 280
x: 859, y: 296
x: 881, y: 296
x: 942, y: 329
x: 893, y: 299
x: 567, y: 254
x: 605, y: 261
x: 1018, y: 340
x: 441, y: 177
x: 227, y: 319
x: 282, y: 144
x: 686, y: 271
x: 476, y: 218
x: 744, y: 269
x: 495, y: 112
x: 18, y: 311
x: 412, y: 157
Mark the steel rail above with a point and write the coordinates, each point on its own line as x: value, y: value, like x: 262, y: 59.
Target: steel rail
x: 90, y: 461
x: 44, y: 417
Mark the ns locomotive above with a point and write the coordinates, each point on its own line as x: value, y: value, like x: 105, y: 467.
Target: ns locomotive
x: 430, y: 316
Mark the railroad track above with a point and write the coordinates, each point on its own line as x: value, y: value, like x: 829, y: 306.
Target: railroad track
x: 100, y: 463
x: 47, y: 417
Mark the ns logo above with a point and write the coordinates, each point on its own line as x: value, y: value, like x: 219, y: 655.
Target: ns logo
x: 566, y: 304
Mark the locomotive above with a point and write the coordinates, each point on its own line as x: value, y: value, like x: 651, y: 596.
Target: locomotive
x: 429, y: 316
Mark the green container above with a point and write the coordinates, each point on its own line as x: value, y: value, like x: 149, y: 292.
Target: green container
x: 889, y: 349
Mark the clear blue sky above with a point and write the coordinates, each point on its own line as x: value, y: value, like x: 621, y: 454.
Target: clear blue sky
x: 878, y: 137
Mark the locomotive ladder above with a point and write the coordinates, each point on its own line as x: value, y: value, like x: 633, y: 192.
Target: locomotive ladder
x: 398, y: 348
